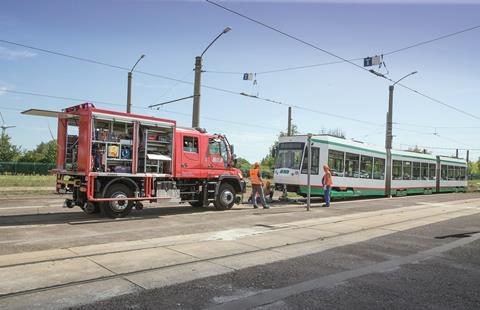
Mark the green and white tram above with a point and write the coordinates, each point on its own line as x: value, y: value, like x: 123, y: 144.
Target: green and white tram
x: 358, y: 169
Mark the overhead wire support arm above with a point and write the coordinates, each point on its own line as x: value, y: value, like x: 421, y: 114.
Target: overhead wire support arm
x: 171, y: 101
x: 337, y: 56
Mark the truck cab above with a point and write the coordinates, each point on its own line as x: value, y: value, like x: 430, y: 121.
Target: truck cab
x: 203, y: 155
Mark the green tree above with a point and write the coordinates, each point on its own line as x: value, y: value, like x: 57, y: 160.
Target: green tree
x: 242, y: 163
x: 474, y: 167
x: 337, y: 132
x: 8, y: 151
x: 45, y: 152
x: 417, y: 149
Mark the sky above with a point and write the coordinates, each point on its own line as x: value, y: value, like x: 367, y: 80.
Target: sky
x: 172, y: 33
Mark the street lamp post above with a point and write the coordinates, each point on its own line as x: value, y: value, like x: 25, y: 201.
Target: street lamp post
x: 129, y: 87
x: 196, y: 86
x: 389, y: 137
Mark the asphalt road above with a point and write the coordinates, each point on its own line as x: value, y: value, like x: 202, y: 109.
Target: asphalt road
x: 449, y: 279
x: 409, y: 252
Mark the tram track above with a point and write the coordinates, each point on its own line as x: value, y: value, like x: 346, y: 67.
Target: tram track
x: 115, y: 275
x: 276, y: 227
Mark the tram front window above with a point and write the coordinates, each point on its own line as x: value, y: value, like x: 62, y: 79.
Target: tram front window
x: 289, y: 155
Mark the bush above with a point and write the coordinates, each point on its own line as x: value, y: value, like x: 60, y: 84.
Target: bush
x: 27, y: 168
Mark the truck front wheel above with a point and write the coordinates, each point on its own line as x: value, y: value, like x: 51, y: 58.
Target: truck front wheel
x: 120, y: 208
x: 225, y: 198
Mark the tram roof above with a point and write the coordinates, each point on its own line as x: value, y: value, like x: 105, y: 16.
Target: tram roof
x: 361, y: 146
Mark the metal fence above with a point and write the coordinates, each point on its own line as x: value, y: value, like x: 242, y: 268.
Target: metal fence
x: 28, y: 168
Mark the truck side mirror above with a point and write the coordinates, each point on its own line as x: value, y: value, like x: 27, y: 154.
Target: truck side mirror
x: 232, y: 149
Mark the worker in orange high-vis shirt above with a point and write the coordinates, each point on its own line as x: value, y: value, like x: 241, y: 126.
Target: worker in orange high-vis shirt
x: 327, y: 183
x: 257, y: 186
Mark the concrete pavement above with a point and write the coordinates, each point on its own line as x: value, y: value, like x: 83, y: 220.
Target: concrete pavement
x: 77, y: 271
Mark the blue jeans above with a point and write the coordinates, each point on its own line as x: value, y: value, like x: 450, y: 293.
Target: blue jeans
x: 326, y: 195
x: 257, y: 188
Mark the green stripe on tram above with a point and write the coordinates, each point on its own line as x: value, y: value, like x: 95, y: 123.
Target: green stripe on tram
x: 452, y: 162
x: 318, y: 191
x: 370, y: 150
x: 348, y: 146
x: 452, y: 189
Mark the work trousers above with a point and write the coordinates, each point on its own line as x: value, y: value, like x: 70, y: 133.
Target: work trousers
x: 257, y: 188
x: 326, y: 195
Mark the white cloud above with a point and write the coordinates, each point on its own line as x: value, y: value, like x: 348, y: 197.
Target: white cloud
x: 9, y: 54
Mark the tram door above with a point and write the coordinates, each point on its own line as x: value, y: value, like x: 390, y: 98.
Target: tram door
x: 315, y: 161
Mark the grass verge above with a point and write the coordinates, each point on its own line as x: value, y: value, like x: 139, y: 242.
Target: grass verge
x: 27, y: 181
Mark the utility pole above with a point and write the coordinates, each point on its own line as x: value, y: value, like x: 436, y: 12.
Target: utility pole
x: 196, y: 92
x: 129, y: 86
x: 289, y: 128
x: 456, y: 153
x: 129, y: 92
x: 389, y: 136
x: 309, y: 168
x: 198, y: 81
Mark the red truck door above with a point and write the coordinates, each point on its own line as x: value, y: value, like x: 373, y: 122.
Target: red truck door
x: 217, y: 157
x: 190, y: 160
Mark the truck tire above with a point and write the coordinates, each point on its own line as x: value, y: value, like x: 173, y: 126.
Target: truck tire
x: 225, y: 198
x: 116, y: 209
x: 196, y: 204
x: 91, y: 207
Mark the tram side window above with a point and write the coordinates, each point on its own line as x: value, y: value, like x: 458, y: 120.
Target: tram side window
x: 424, y: 172
x: 407, y: 170
x: 464, y: 174
x: 352, y: 165
x: 366, y: 166
x: 433, y: 171
x: 378, y: 168
x: 315, y: 161
x: 451, y: 173
x: 460, y: 173
x: 444, y: 172
x: 335, y: 162
x: 416, y: 171
x: 397, y: 170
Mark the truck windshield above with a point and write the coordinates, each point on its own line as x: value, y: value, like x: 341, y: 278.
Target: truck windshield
x: 289, y: 155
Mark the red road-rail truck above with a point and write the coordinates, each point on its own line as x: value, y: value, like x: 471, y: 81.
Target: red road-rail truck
x: 111, y: 161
